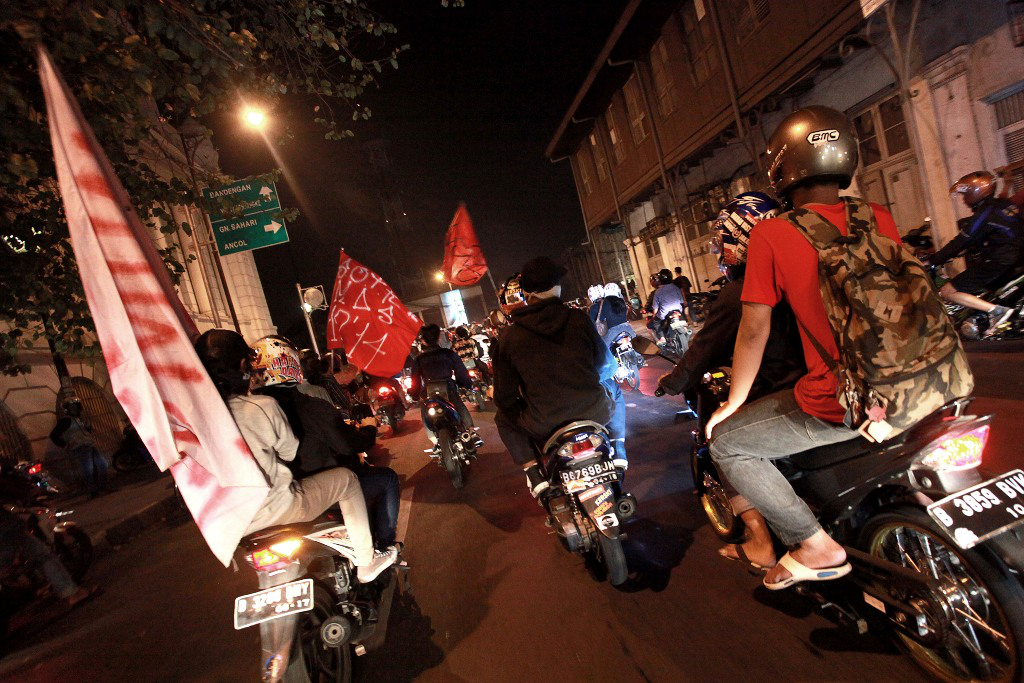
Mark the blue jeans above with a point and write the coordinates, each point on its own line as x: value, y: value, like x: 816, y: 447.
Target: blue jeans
x: 94, y: 469
x: 617, y: 424
x: 381, y: 490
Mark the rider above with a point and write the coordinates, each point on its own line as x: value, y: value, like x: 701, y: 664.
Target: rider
x: 991, y: 239
x: 712, y: 346
x: 264, y: 426
x: 436, y: 364
x: 548, y: 369
x: 326, y: 440
x: 806, y: 171
x: 667, y: 299
x: 470, y: 352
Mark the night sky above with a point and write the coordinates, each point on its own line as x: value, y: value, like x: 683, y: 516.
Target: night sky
x: 468, y: 114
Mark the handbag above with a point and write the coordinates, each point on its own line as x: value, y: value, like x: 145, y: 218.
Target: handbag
x: 601, y: 325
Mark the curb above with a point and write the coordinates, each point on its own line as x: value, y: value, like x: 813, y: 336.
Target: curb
x: 125, y: 531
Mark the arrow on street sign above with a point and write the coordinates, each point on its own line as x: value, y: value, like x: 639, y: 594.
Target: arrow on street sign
x: 273, y: 227
x: 258, y: 226
x: 265, y: 192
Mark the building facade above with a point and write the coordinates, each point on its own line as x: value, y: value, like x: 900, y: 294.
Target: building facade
x: 672, y: 120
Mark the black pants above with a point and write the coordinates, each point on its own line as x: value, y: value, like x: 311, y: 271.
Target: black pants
x: 518, y: 437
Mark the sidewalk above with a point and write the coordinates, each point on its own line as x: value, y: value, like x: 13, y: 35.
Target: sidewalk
x: 142, y: 500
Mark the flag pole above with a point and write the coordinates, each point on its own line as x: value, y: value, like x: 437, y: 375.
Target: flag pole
x: 490, y: 277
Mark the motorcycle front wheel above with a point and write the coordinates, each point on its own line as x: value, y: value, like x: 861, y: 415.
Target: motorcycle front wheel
x: 312, y: 661
x: 983, y: 631
x: 448, y: 458
x: 74, y: 548
x: 613, y: 558
x: 726, y: 524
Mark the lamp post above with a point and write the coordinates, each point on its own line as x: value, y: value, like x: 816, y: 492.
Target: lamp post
x: 439, y: 276
x: 311, y: 299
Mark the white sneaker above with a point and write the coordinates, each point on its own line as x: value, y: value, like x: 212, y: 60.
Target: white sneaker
x: 382, y: 559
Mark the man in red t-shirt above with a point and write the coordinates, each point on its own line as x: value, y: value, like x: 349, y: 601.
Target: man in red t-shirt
x: 813, y: 154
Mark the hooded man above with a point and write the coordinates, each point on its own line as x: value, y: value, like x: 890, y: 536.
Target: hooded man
x: 548, y: 370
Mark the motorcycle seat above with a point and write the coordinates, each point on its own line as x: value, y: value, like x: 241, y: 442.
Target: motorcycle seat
x: 832, y: 454
x: 329, y: 517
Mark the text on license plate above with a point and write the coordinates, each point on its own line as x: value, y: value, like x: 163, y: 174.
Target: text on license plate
x: 273, y: 603
x: 983, y: 511
x: 588, y: 472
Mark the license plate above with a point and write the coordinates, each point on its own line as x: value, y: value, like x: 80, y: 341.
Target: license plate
x: 679, y: 325
x: 273, y: 603
x: 983, y: 511
x: 588, y: 473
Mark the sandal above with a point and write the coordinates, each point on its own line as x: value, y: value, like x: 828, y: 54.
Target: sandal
x: 799, y: 572
x: 741, y: 557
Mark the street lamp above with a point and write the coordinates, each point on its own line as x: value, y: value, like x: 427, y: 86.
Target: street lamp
x: 254, y: 118
x: 439, y: 276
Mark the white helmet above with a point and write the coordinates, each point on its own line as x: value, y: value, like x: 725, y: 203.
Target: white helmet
x: 613, y: 289
x: 595, y: 292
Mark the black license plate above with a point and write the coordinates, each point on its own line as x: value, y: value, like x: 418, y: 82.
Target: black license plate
x: 274, y: 603
x: 983, y: 511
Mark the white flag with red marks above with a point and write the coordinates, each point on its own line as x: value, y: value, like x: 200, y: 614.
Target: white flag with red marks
x: 146, y: 334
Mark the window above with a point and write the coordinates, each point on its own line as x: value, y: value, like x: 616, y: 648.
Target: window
x: 581, y: 165
x: 599, y: 159
x: 652, y: 247
x: 635, y: 110
x: 1015, y: 13
x: 661, y: 74
x: 1010, y: 120
x: 700, y: 40
x: 618, y: 150
x: 882, y: 131
x: 748, y: 16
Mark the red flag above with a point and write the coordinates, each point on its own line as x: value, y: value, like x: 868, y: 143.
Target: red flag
x: 369, y: 321
x: 146, y: 334
x: 464, y: 262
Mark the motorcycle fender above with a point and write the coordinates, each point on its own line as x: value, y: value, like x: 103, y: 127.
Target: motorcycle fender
x: 277, y: 635
x: 599, y: 504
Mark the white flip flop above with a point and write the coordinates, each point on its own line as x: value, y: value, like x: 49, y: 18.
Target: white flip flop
x: 799, y: 572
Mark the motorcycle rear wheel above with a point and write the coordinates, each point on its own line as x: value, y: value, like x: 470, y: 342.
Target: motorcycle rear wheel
x: 311, y: 660
x: 448, y: 458
x: 988, y: 599
x: 614, y: 559
x: 74, y: 548
x: 726, y: 524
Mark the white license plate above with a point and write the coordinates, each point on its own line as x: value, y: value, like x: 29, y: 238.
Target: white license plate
x: 589, y: 472
x: 273, y: 603
x: 983, y: 511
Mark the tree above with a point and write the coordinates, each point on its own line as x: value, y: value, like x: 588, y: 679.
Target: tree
x: 146, y: 76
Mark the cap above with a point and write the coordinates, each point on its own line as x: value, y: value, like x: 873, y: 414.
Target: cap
x: 541, y: 274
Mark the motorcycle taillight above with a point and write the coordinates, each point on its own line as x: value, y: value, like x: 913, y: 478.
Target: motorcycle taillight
x: 36, y: 468
x: 384, y: 391
x: 960, y: 451
x: 274, y: 557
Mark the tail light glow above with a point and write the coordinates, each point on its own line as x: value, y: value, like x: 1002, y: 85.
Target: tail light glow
x: 407, y: 382
x: 958, y: 452
x: 36, y: 468
x: 384, y: 391
x: 276, y: 556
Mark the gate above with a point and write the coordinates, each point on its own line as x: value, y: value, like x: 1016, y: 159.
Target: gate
x: 106, y: 428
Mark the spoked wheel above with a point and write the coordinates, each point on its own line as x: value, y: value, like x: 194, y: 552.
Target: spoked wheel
x: 75, y: 551
x: 981, y: 624
x: 613, y: 559
x: 320, y: 662
x: 448, y: 458
x: 726, y: 524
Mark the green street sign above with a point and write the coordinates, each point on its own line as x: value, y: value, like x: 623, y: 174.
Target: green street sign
x: 258, y: 227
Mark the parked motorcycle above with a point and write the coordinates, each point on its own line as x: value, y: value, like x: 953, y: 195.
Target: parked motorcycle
x: 456, y: 444
x: 627, y: 371
x: 699, y: 303
x: 312, y: 611
x: 936, y: 549
x: 585, y: 502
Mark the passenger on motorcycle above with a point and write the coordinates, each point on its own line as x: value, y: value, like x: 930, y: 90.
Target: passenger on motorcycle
x: 326, y: 440
x: 470, y: 352
x: 548, y: 369
x: 782, y: 264
x: 316, y: 371
x: 782, y: 364
x: 991, y: 240
x: 667, y: 299
x: 264, y: 426
x: 440, y: 365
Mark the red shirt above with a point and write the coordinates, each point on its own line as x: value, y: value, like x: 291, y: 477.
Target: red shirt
x: 782, y: 263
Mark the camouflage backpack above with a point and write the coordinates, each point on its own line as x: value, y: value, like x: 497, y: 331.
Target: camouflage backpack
x: 900, y: 358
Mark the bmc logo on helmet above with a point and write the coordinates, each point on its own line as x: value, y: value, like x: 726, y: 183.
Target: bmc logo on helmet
x: 820, y: 137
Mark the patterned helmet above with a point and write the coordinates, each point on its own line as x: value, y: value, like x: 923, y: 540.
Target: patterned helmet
x: 276, y: 361
x: 511, y: 296
x: 813, y: 142
x: 975, y: 187
x: 731, y: 232
x: 595, y: 292
x: 613, y: 289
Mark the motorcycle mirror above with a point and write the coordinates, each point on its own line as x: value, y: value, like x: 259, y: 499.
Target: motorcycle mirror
x: 644, y: 346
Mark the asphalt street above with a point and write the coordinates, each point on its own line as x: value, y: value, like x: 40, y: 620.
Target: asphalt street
x: 495, y: 597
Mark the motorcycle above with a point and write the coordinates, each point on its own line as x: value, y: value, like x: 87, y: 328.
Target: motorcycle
x: 478, y: 394
x: 456, y: 444
x: 390, y: 407
x: 312, y: 611
x: 585, y: 502
x: 677, y: 333
x: 936, y: 549
x: 1007, y: 291
x: 700, y: 303
x: 627, y: 371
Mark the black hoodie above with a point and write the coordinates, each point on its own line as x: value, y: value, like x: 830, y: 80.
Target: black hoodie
x: 549, y: 366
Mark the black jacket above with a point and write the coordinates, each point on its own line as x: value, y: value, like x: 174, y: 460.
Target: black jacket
x: 548, y: 367
x: 991, y: 234
x: 781, y: 366
x: 612, y: 311
x: 437, y: 365
x: 325, y: 439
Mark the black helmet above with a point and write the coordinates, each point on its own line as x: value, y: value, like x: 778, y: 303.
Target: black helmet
x: 222, y: 353
x: 664, y: 276
x: 812, y: 143
x: 462, y: 332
